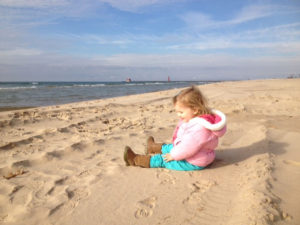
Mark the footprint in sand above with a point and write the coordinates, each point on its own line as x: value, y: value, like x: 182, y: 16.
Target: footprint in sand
x: 74, y: 195
x: 165, y: 177
x: 11, y: 145
x: 133, y: 134
x: 198, y: 189
x: 20, y: 195
x: 93, y: 155
x: 146, y: 207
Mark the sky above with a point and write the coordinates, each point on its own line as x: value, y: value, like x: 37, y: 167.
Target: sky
x: 111, y: 40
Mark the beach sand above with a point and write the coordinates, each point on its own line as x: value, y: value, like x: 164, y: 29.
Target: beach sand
x: 64, y: 164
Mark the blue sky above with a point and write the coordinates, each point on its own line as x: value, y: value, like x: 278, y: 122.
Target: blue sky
x: 110, y: 40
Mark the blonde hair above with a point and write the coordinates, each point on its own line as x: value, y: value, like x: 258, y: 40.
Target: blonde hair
x: 193, y: 98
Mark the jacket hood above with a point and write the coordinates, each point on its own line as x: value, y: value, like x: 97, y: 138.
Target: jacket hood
x: 215, y: 122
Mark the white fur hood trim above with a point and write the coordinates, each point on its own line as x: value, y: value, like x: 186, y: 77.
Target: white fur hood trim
x: 213, y: 127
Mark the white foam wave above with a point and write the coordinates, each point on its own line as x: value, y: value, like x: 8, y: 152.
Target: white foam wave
x: 17, y: 88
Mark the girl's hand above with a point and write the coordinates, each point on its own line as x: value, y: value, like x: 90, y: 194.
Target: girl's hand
x: 168, y: 157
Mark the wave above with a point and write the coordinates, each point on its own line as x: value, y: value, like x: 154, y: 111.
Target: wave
x: 17, y: 88
x: 115, y: 84
x: 63, y: 85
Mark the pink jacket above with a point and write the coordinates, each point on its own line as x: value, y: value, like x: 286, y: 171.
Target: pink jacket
x: 196, y: 140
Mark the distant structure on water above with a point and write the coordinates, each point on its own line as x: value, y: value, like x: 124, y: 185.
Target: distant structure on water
x: 128, y: 79
x: 169, y: 79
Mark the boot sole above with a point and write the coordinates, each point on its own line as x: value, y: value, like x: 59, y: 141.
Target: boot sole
x: 126, y: 157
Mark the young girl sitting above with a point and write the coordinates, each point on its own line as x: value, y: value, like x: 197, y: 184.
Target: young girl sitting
x: 194, y: 140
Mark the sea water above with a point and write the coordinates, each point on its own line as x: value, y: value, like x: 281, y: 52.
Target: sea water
x: 33, y: 94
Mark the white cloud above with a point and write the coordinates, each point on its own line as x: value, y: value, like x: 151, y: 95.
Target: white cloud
x: 269, y: 41
x: 267, y: 47
x: 103, y: 40
x: 187, y: 60
x: 20, y: 52
x: 78, y: 7
x: 253, y: 12
x: 141, y: 66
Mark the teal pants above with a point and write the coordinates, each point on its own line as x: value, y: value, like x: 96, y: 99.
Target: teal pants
x: 157, y: 161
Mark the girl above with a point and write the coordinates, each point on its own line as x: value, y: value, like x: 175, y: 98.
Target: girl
x: 194, y: 139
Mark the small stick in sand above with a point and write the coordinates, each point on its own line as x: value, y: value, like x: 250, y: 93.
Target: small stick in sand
x: 14, y: 174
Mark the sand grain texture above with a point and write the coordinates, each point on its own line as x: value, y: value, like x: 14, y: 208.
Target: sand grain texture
x: 64, y: 164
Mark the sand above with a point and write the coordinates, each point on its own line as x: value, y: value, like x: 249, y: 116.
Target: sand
x: 64, y: 164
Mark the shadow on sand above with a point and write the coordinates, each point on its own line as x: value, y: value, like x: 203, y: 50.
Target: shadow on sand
x: 230, y: 156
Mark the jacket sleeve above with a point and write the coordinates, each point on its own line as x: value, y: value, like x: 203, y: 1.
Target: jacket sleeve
x: 192, y: 141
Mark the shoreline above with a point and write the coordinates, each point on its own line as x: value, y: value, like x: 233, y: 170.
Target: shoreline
x: 8, y: 108
x: 38, y: 94
x: 63, y: 164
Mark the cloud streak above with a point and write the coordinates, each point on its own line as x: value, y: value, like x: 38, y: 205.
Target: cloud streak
x: 201, y: 21
x: 135, y: 5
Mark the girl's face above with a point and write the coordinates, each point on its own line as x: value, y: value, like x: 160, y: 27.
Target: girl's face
x: 185, y: 113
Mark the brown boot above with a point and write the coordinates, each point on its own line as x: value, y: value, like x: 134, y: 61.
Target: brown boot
x: 152, y: 147
x: 142, y: 161
x: 129, y: 156
x: 133, y: 159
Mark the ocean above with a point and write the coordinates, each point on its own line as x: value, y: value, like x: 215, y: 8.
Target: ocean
x: 34, y: 94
